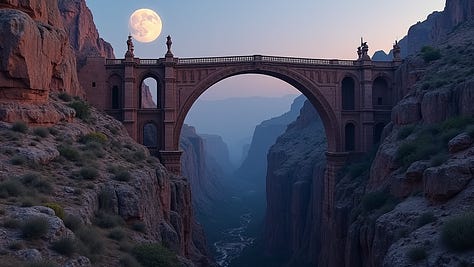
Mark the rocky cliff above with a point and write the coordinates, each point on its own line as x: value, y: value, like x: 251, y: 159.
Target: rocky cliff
x: 413, y: 206
x: 82, y: 32
x: 202, y: 174
x: 254, y: 167
x: 294, y: 190
x: 434, y: 29
x: 75, y: 189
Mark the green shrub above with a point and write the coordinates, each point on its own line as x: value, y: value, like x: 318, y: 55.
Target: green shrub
x: 20, y: 127
x: 11, y: 223
x: 425, y: 218
x: 470, y: 130
x: 106, y: 200
x: 16, y: 245
x: 129, y: 261
x: 123, y: 176
x: 18, y: 160
x: 41, y: 263
x: 151, y: 255
x: 458, y: 122
x: 139, y: 227
x: 53, y: 131
x: 106, y: 220
x: 94, y: 137
x: 416, y: 254
x: 11, y: 188
x: 58, y: 210
x: 438, y: 159
x: 41, y: 132
x: 36, y: 181
x: 116, y: 234
x: 34, y: 228
x: 65, y: 97
x: 374, y: 200
x: 65, y: 246
x: 429, y: 53
x: 89, y: 173
x: 458, y: 233
x: 73, y: 222
x: 405, y: 131
x: 82, y: 109
x: 93, y: 244
x: 69, y: 152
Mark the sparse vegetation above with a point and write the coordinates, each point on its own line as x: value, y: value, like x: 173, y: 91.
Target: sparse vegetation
x: 438, y: 159
x: 65, y: 246
x: 458, y: 233
x: 129, y: 261
x: 69, y: 152
x: 425, y: 218
x: 150, y: 255
x: 375, y: 200
x: 82, y: 109
x: 139, y: 227
x: 89, y: 173
x: 116, y: 234
x: 65, y: 97
x: 58, y: 210
x: 405, y: 131
x: 106, y: 220
x: 41, y: 132
x: 20, y: 127
x: 429, y: 53
x: 94, y: 137
x: 34, y: 228
x: 11, y: 188
x: 41, y: 263
x: 11, y: 223
x: 72, y: 222
x: 18, y: 160
x: 92, y: 242
x: 416, y: 254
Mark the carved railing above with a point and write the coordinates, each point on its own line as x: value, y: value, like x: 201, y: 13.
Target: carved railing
x: 114, y: 61
x: 259, y: 58
x: 149, y: 61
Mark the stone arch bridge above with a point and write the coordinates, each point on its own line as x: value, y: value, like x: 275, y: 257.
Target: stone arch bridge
x: 354, y: 98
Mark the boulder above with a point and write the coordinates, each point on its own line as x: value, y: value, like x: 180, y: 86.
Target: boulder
x: 459, y: 143
x: 443, y: 182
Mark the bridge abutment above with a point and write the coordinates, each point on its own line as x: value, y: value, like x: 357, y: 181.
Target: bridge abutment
x: 334, y: 162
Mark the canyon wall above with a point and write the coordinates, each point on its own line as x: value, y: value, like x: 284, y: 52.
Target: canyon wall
x: 254, y: 167
x: 422, y: 169
x: 295, y: 190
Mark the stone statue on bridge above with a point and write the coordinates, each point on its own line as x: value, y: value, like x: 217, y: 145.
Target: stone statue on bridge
x: 168, y: 45
x: 130, y: 47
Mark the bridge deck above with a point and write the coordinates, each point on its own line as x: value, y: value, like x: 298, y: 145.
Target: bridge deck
x: 246, y: 59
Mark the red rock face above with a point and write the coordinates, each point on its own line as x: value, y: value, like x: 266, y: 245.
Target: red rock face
x: 36, y: 57
x: 82, y: 32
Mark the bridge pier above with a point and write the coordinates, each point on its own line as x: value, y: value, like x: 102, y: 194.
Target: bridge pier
x: 334, y: 162
x: 171, y: 160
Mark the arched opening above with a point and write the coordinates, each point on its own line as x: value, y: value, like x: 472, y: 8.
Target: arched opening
x: 229, y: 117
x: 381, y: 93
x: 378, y: 129
x: 115, y: 94
x: 115, y: 97
x: 348, y: 93
x: 349, y: 136
x: 150, y: 135
x: 149, y: 93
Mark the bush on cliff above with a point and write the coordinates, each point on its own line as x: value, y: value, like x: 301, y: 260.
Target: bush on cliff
x: 458, y: 233
x: 429, y: 53
x: 82, y: 109
x: 151, y: 255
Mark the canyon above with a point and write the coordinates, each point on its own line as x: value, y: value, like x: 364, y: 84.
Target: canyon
x: 62, y: 161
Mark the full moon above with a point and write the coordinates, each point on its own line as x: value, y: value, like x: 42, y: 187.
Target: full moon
x: 145, y: 25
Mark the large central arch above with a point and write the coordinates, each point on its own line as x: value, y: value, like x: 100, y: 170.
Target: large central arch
x: 298, y: 81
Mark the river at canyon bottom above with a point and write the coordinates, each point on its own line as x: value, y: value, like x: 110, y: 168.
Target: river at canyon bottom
x: 234, y: 241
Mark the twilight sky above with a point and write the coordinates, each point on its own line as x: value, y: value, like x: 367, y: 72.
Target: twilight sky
x: 303, y: 28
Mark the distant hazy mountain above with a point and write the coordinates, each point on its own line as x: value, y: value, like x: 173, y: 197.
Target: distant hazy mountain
x: 234, y: 119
